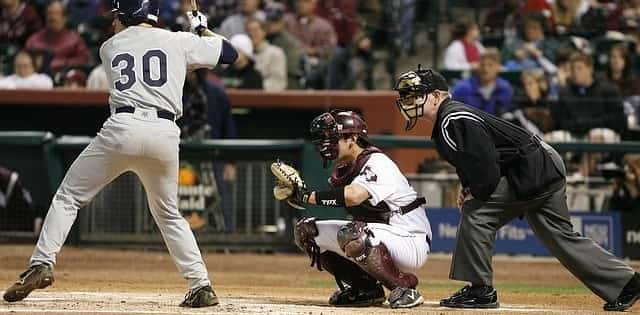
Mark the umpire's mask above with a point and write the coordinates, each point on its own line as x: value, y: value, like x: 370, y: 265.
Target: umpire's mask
x: 413, y: 88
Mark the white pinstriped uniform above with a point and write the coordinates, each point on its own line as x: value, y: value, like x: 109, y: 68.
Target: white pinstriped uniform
x: 146, y: 69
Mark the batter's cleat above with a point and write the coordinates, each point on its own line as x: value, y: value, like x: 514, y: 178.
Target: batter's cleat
x: 405, y: 298
x: 477, y: 296
x: 200, y: 297
x: 351, y: 297
x: 630, y: 295
x: 36, y: 277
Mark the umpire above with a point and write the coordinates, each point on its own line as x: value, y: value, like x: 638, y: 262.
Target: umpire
x: 506, y: 172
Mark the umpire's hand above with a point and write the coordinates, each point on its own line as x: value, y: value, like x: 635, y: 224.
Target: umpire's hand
x: 463, y: 194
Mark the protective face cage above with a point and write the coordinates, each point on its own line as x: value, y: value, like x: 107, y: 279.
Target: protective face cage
x: 413, y: 88
x: 325, y: 136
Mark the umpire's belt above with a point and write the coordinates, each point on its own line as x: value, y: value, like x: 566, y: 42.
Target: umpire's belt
x: 161, y: 113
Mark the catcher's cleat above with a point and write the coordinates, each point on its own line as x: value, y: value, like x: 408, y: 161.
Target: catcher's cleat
x: 405, y: 298
x: 36, y: 277
x: 630, y: 295
x: 357, y: 297
x: 477, y: 296
x: 200, y: 297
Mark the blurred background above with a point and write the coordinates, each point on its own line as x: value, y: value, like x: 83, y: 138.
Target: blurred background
x: 566, y: 70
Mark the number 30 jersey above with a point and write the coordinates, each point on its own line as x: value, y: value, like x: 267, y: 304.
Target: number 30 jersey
x: 146, y: 67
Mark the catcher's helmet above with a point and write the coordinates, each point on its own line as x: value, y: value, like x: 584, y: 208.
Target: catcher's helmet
x: 327, y: 128
x: 413, y: 87
x: 134, y: 12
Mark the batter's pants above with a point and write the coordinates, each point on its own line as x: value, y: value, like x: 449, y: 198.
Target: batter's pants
x: 548, y: 216
x: 149, y: 148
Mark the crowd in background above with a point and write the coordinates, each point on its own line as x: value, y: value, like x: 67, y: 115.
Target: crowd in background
x: 564, y: 69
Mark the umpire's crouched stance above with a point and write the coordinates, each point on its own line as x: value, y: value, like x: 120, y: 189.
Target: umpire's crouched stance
x: 505, y: 173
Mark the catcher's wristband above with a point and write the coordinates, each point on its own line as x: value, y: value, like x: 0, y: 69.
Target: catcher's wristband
x: 331, y: 198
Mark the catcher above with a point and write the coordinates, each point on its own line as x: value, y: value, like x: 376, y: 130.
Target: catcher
x: 389, y: 236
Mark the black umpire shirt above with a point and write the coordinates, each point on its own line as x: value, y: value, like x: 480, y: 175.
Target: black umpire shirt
x: 471, y: 140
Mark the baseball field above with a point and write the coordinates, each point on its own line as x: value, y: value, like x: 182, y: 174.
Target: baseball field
x: 106, y: 281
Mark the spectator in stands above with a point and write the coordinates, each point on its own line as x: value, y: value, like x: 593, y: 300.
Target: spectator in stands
x: 270, y: 60
x: 75, y: 79
x: 25, y: 76
x: 587, y: 108
x: 235, y: 24
x: 317, y: 38
x: 207, y: 115
x: 531, y: 104
x: 218, y: 10
x: 278, y: 36
x: 532, y: 51
x: 565, y: 15
x: 502, y: 20
x: 98, y: 79
x: 485, y: 90
x: 561, y: 77
x: 463, y: 53
x: 66, y: 45
x: 620, y: 72
x: 242, y: 74
x: 353, y: 56
x: 18, y: 20
x: 83, y: 11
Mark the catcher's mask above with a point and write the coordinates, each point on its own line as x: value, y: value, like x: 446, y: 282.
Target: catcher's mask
x: 326, y: 130
x: 413, y: 88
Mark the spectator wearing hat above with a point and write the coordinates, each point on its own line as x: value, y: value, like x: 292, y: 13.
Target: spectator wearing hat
x: 66, y: 45
x: 235, y: 24
x: 278, y: 36
x: 75, y: 79
x: 270, y: 60
x: 242, y: 74
x: 484, y: 89
x: 18, y: 20
x: 25, y: 76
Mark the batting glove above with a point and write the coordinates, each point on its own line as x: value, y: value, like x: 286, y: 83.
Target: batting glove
x: 198, y: 21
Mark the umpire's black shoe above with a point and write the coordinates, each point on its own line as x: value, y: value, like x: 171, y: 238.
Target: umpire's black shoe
x: 201, y: 297
x: 630, y: 294
x: 477, y: 296
x: 36, y: 277
x: 358, y: 297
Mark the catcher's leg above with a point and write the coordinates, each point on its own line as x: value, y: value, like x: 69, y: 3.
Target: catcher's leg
x: 361, y: 289
x: 359, y: 243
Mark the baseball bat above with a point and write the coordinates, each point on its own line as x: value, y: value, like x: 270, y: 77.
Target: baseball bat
x: 194, y: 7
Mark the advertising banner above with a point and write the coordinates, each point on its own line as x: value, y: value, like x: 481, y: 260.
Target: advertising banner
x: 517, y: 238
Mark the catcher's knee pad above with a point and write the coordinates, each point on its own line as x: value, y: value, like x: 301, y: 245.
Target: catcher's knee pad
x: 354, y: 240
x: 304, y: 234
x: 359, y: 243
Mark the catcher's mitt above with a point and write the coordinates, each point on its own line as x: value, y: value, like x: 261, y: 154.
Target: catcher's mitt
x: 289, y: 185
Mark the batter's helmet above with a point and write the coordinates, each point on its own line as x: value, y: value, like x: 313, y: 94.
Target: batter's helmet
x: 413, y: 87
x: 326, y: 130
x: 134, y: 12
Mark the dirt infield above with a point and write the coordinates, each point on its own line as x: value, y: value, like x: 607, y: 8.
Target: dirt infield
x: 96, y: 281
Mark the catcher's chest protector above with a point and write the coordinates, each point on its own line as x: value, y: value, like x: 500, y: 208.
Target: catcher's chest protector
x: 344, y: 174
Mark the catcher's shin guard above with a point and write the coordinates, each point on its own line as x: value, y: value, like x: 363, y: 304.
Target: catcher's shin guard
x: 355, y: 240
x: 361, y: 288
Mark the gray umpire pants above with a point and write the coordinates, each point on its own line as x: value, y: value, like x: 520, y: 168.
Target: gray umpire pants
x: 548, y: 216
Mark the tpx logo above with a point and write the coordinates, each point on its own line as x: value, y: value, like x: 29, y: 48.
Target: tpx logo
x: 633, y: 237
x: 331, y: 202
